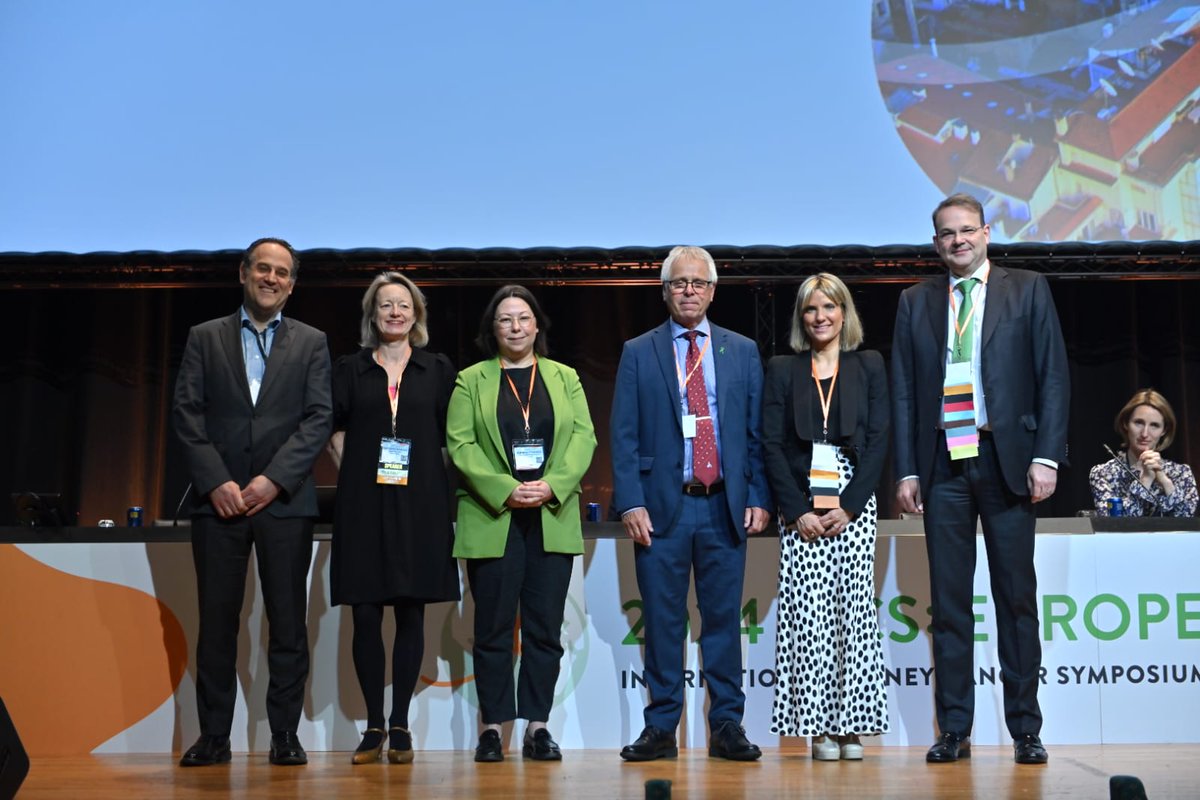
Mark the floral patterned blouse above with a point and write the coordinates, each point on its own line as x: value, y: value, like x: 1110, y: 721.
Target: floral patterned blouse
x: 1111, y: 479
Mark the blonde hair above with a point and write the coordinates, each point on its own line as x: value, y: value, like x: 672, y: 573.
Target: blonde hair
x: 833, y: 288
x: 369, y: 335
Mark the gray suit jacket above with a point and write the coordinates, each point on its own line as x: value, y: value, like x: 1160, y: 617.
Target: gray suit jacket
x: 226, y: 437
x: 1025, y: 381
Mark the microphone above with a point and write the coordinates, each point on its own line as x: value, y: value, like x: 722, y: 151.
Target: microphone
x: 178, y: 508
x: 1132, y: 475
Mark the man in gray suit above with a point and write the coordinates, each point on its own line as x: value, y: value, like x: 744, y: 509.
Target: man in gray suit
x: 253, y: 409
x: 980, y: 391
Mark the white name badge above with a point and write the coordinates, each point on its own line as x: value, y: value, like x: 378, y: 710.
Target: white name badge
x: 689, y: 426
x: 528, y: 454
x: 393, y: 461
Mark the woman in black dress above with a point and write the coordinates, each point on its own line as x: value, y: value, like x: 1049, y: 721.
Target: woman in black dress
x: 392, y: 538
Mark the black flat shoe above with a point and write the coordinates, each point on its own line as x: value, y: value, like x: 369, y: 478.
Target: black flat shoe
x: 653, y: 743
x: 729, y: 741
x: 541, y: 747
x: 370, y: 749
x: 207, y: 750
x: 489, y: 749
x: 286, y: 750
x: 1028, y: 749
x: 949, y: 747
x: 400, y: 748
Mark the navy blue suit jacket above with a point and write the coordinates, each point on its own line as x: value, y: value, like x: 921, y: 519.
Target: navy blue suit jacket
x: 647, y: 431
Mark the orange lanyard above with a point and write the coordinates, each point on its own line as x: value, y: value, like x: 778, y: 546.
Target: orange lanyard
x: 685, y: 379
x: 393, y: 391
x: 528, y: 404
x: 825, y: 401
x: 958, y: 329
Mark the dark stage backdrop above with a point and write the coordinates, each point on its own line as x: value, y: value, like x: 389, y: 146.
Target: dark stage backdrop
x: 87, y: 376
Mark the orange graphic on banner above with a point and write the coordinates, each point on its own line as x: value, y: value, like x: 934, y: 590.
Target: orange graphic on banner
x: 83, y: 659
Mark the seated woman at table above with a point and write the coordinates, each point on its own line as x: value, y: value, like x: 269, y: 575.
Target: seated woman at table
x: 1146, y: 483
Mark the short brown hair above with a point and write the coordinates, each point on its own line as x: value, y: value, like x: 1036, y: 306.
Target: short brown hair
x: 1147, y: 397
x: 962, y: 200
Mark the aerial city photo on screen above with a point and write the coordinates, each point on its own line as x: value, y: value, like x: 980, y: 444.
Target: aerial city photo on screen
x: 1072, y: 120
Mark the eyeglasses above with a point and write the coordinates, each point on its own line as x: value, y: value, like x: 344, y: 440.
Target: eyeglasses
x: 680, y: 285
x: 965, y: 232
x: 525, y: 320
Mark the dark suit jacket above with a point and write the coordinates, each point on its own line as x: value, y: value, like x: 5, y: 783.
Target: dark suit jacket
x: 788, y: 431
x: 226, y: 437
x: 647, y: 432
x: 1025, y: 381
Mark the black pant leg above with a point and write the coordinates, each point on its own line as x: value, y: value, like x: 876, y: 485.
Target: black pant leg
x: 496, y: 591
x: 543, y: 602
x: 284, y: 552
x: 221, y: 552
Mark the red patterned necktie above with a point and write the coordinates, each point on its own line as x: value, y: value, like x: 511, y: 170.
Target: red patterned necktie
x: 704, y: 446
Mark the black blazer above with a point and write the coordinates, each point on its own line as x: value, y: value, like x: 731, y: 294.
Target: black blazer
x: 226, y: 437
x: 1026, y: 379
x: 788, y: 432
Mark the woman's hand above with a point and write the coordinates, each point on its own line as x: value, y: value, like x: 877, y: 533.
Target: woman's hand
x: 809, y: 526
x: 530, y: 494
x: 834, y: 521
x: 1152, y: 470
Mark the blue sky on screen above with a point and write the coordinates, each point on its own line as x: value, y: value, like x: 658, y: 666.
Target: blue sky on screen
x: 174, y: 125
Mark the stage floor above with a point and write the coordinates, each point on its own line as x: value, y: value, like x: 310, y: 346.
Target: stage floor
x: 1168, y: 771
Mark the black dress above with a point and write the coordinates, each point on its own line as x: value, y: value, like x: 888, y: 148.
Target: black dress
x: 392, y: 542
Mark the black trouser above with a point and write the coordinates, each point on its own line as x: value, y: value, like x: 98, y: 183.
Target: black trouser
x: 962, y: 492
x: 221, y: 549
x: 527, y: 578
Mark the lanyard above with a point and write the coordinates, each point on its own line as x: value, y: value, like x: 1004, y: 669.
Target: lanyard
x: 528, y: 404
x: 394, y: 391
x: 958, y: 329
x: 826, y: 401
x: 685, y: 379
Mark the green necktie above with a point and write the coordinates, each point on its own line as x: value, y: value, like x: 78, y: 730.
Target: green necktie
x: 964, y: 332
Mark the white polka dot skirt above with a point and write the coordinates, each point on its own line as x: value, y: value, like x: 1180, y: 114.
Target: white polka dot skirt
x: 828, y: 654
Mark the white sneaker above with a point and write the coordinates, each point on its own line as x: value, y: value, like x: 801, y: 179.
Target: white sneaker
x: 852, y: 749
x: 826, y: 749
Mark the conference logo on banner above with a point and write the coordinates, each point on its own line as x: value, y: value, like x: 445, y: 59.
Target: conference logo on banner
x: 456, y: 666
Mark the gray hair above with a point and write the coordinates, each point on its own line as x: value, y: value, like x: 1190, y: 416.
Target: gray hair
x: 691, y: 253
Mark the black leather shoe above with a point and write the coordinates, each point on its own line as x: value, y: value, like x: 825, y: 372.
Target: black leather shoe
x: 207, y: 750
x: 541, y: 747
x: 1028, y: 749
x: 949, y: 747
x: 286, y: 750
x: 489, y: 748
x: 653, y: 743
x: 728, y: 740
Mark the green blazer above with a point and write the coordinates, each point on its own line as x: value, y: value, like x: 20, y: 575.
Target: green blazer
x: 473, y: 439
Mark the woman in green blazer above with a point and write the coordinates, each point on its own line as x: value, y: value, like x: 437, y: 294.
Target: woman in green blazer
x: 519, y: 432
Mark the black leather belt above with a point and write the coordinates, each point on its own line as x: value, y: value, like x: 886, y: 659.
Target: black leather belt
x: 698, y: 489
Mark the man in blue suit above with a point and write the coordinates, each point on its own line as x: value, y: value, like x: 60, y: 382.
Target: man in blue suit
x: 689, y: 482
